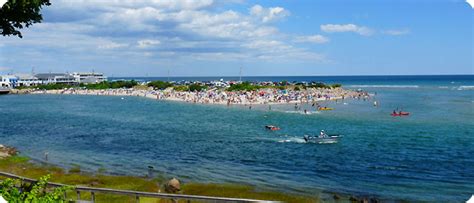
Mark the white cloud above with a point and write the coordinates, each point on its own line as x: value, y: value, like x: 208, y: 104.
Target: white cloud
x: 112, y: 4
x: 330, y: 28
x: 147, y: 43
x: 471, y: 3
x: 270, y: 45
x: 397, y: 32
x: 112, y: 45
x: 269, y: 14
x: 103, y: 31
x: 318, y: 39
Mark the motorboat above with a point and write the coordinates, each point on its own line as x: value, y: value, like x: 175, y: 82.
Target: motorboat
x: 272, y: 127
x: 326, y: 139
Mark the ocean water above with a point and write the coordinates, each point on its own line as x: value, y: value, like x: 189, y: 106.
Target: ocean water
x: 427, y: 156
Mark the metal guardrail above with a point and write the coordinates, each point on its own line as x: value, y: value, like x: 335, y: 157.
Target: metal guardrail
x: 137, y: 194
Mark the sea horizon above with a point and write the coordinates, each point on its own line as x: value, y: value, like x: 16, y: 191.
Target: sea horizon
x: 243, y: 76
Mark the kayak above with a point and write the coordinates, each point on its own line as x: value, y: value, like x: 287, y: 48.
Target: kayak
x: 400, y: 114
x: 322, y: 140
x: 325, y: 109
x: 272, y: 127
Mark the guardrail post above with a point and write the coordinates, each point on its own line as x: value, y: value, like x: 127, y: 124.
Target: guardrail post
x: 137, y: 198
x: 78, y: 195
x: 93, y: 197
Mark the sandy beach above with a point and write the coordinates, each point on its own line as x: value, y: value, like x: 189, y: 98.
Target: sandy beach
x: 221, y: 97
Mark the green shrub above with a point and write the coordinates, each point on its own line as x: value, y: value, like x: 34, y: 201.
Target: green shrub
x: 181, y: 88
x: 318, y: 85
x: 197, y: 87
x: 36, y: 192
x: 245, y: 86
x: 110, y: 85
x: 336, y: 85
x: 52, y: 86
x: 159, y: 84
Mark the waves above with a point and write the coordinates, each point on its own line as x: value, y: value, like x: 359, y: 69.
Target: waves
x: 293, y: 140
x: 385, y: 86
x: 466, y: 87
x: 462, y: 87
x: 303, y: 113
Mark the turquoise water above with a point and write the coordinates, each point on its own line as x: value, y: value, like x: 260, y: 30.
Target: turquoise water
x: 427, y: 156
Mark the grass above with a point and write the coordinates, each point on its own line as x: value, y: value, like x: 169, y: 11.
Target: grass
x: 21, y: 166
x: 241, y: 191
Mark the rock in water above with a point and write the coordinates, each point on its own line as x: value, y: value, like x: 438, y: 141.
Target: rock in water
x: 173, y: 186
x: 6, y: 151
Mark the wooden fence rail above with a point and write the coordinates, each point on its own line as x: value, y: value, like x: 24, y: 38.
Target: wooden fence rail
x: 93, y: 191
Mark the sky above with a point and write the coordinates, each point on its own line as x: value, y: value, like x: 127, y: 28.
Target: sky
x: 263, y: 37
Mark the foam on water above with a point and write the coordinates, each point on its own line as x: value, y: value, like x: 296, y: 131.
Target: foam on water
x: 466, y: 87
x: 384, y: 86
x: 293, y: 140
x: 303, y: 113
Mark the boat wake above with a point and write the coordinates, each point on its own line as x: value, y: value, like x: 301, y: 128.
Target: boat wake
x: 303, y: 113
x: 293, y: 140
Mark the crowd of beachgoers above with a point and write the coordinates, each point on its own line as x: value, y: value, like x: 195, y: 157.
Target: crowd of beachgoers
x: 220, y: 96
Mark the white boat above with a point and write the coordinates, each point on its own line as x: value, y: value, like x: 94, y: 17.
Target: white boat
x: 329, y: 139
x: 4, y: 90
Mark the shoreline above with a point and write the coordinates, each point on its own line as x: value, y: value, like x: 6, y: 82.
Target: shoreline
x: 20, y: 165
x: 261, y: 97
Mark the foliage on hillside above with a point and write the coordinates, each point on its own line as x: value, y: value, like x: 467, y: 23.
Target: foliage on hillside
x: 159, y: 84
x: 196, y: 87
x: 13, y: 190
x: 110, y: 85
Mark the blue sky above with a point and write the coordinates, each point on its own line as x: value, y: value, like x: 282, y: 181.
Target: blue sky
x: 266, y: 37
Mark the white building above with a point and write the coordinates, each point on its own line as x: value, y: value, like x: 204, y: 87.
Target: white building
x: 9, y: 81
x: 89, y: 77
x: 27, y: 80
x: 57, y: 78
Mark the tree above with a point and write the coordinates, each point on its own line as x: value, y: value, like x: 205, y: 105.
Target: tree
x: 17, y: 14
x: 14, y: 191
